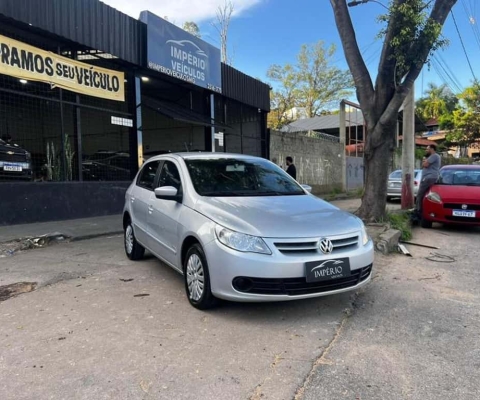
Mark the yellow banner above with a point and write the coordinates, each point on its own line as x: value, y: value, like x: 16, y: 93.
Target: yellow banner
x: 27, y: 62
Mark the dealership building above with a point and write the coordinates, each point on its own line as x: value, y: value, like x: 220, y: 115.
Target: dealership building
x: 87, y: 94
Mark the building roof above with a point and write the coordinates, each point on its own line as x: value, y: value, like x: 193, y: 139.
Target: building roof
x: 329, y: 122
x: 432, y: 122
x: 419, y: 141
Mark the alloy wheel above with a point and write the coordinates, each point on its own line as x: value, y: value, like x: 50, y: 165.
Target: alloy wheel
x: 195, y: 277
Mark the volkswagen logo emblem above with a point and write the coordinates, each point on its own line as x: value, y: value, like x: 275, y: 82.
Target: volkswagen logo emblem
x: 464, y: 206
x: 325, y: 246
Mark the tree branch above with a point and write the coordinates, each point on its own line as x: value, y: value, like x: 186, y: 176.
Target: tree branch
x: 361, y: 76
x: 422, y: 47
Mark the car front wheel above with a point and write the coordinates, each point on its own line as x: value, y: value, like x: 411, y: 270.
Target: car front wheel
x: 426, y: 223
x: 197, y: 279
x: 133, y: 249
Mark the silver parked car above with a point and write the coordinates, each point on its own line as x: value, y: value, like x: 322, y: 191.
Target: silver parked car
x: 239, y: 228
x: 394, y: 188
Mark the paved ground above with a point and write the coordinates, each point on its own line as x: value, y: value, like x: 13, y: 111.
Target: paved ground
x: 414, y: 333
x: 98, y: 326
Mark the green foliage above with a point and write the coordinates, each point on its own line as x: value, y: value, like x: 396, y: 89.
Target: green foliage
x: 192, y: 27
x: 313, y: 83
x: 413, y: 30
x: 439, y: 101
x: 456, y: 161
x: 401, y: 222
x: 466, y: 119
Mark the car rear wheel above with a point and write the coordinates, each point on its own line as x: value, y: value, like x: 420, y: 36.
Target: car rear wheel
x: 133, y: 249
x: 197, y: 279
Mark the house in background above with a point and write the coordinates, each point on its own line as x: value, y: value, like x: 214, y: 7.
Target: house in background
x: 435, y: 134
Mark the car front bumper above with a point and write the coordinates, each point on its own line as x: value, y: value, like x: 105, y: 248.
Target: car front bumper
x: 278, y: 273
x: 435, y: 212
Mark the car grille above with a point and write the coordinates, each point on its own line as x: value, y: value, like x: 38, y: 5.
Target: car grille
x: 455, y: 206
x: 298, y: 286
x: 16, y: 157
x: 462, y: 219
x: 311, y: 247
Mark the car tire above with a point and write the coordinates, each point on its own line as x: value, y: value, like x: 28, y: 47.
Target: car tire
x: 197, y: 279
x: 424, y: 223
x: 134, y: 250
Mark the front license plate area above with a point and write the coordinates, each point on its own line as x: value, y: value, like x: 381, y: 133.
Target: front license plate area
x: 464, y: 214
x: 318, y: 271
x: 12, y: 167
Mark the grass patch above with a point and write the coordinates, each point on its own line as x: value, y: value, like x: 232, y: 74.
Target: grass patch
x: 401, y: 222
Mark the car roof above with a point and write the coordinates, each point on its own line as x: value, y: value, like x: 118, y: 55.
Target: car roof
x: 460, y: 166
x: 206, y: 156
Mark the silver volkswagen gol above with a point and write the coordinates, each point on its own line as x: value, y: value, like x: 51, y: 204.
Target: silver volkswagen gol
x: 239, y: 228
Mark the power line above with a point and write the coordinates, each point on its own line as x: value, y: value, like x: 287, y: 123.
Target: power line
x: 443, y: 63
x: 471, y: 16
x: 463, y: 45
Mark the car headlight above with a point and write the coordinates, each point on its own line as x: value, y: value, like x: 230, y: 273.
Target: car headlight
x: 241, y: 242
x: 434, y: 197
x: 365, y: 237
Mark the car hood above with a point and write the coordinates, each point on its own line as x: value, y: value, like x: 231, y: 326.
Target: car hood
x: 458, y: 193
x: 278, y: 216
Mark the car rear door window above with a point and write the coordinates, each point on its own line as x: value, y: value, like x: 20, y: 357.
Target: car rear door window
x: 146, y: 179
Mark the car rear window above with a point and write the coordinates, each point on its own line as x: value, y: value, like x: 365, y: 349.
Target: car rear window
x: 396, y: 175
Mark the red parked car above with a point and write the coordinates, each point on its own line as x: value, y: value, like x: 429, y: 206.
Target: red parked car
x: 455, y: 199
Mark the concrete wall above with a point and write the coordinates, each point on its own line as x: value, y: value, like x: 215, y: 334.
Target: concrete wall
x: 318, y: 161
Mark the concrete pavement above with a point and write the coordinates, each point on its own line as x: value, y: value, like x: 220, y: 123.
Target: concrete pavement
x: 414, y: 333
x: 99, y: 326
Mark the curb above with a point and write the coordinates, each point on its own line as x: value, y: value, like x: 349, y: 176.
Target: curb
x: 388, y: 241
x: 94, y: 236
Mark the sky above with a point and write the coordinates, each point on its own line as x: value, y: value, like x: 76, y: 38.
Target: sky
x: 266, y: 32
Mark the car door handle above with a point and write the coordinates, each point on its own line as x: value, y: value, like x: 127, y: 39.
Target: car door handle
x: 150, y: 209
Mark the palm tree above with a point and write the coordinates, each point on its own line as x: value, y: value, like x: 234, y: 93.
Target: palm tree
x: 435, y: 103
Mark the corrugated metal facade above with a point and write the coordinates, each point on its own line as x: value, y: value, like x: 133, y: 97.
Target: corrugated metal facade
x: 241, y: 87
x: 88, y: 22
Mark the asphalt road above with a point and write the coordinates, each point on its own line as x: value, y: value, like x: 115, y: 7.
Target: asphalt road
x: 84, y: 333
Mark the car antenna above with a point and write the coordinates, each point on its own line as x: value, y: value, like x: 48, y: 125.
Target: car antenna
x: 186, y: 146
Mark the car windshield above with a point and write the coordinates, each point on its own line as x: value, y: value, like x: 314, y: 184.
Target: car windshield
x: 461, y: 177
x: 231, y: 177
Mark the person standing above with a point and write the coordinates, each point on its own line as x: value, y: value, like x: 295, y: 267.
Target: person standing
x: 430, y: 174
x: 291, y: 169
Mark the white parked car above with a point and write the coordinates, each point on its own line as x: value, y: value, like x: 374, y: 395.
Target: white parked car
x: 239, y: 228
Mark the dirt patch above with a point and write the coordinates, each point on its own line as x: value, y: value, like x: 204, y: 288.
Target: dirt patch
x: 9, y: 291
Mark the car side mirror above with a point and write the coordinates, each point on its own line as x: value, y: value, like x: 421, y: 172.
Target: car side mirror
x: 307, y: 188
x: 168, y: 193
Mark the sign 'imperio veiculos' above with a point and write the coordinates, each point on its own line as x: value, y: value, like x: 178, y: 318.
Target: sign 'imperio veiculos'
x: 27, y: 62
x: 181, y: 55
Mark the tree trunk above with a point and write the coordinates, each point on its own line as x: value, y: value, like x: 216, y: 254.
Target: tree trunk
x: 374, y: 201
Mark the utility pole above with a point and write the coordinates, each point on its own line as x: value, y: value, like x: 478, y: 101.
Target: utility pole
x: 408, y: 150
